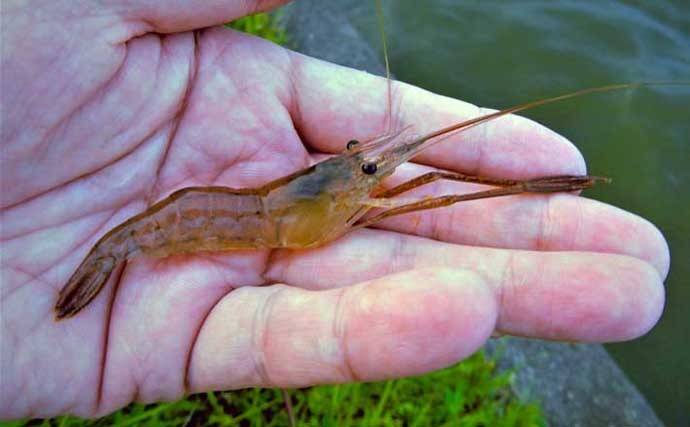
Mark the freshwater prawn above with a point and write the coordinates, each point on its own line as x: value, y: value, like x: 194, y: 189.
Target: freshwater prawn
x: 305, y: 209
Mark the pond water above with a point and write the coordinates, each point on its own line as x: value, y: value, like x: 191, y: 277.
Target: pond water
x: 497, y: 54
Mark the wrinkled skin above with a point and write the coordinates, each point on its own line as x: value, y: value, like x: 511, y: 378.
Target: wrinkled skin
x: 106, y: 108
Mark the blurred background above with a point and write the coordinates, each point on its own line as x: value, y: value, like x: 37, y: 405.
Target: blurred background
x: 497, y: 54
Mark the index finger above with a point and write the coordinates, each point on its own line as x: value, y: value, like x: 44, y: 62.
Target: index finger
x: 332, y: 104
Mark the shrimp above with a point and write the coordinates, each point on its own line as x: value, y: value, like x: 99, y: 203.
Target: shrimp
x: 308, y: 208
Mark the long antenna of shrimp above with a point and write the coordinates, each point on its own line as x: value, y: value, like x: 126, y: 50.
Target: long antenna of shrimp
x: 464, y: 125
x: 382, y: 33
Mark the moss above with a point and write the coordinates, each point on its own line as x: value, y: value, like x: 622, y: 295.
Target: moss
x: 469, y: 394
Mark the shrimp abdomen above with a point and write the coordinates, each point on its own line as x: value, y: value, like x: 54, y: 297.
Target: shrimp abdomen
x: 189, y: 220
x: 204, y: 219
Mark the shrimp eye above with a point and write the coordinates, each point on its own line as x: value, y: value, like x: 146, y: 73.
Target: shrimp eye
x: 369, y: 168
x: 351, y: 144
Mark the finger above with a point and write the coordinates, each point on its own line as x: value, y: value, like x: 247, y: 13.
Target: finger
x: 399, y: 325
x: 577, y: 296
x: 185, y: 15
x: 334, y: 104
x: 560, y: 222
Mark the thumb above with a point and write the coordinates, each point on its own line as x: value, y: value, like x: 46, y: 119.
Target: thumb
x: 184, y: 15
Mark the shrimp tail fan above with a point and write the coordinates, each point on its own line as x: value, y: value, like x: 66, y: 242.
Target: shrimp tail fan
x: 86, y: 282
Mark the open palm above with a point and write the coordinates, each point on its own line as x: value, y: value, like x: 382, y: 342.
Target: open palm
x: 107, y: 110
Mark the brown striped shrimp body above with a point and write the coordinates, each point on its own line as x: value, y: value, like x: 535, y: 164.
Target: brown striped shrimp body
x: 308, y: 208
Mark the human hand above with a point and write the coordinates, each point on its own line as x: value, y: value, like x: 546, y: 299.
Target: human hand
x: 105, y: 109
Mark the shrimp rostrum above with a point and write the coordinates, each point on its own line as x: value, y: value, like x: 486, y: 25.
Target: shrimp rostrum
x: 308, y: 208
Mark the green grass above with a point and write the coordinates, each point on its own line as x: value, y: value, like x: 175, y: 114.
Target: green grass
x: 469, y: 394
x: 267, y: 25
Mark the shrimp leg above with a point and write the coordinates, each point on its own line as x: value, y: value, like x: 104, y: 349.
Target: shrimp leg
x: 452, y: 176
x: 550, y: 184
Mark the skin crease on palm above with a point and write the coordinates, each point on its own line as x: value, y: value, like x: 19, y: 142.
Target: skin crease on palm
x: 107, y: 107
